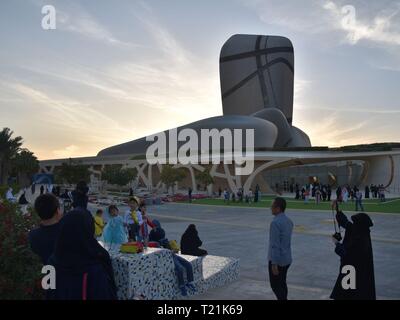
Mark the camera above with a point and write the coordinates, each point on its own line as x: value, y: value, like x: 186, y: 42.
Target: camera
x: 337, y: 236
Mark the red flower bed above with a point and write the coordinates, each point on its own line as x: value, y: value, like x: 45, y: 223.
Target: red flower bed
x: 179, y: 197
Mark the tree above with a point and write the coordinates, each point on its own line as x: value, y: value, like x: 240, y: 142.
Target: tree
x: 72, y: 172
x: 115, y: 174
x: 204, y: 177
x: 170, y: 175
x: 25, y: 165
x: 9, y: 147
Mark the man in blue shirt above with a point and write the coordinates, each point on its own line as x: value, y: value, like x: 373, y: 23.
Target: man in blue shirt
x: 279, y: 253
x: 42, y: 240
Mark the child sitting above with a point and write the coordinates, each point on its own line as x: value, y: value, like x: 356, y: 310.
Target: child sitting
x: 98, y: 223
x: 114, y: 232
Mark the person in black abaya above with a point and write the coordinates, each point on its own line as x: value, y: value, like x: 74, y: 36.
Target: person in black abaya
x: 83, y: 267
x: 190, y: 242
x: 367, y: 192
x: 356, y: 250
x: 339, y: 194
x: 80, y: 197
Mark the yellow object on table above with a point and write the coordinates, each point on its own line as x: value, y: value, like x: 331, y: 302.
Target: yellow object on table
x: 174, y: 246
x: 131, y: 247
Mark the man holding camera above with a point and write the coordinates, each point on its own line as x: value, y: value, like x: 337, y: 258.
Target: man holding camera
x: 279, y: 253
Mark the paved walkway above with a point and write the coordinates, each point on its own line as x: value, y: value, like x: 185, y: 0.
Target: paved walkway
x: 242, y: 233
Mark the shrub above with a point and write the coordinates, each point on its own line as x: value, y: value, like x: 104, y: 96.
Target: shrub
x: 20, y: 268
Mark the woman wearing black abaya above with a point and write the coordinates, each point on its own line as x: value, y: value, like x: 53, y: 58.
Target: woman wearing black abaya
x: 356, y: 250
x: 80, y: 197
x: 83, y: 266
x: 190, y: 242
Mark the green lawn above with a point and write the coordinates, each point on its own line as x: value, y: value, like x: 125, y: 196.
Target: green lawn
x: 370, y: 205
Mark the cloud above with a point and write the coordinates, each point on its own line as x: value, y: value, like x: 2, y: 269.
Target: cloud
x: 167, y: 77
x: 346, y: 126
x: 321, y: 17
x: 300, y: 88
x: 65, y: 112
x: 84, y: 24
x: 122, y: 99
x: 170, y: 78
x: 382, y: 29
x: 377, y: 110
x: 299, y: 16
x: 68, y: 152
x: 73, y: 17
x: 324, y: 129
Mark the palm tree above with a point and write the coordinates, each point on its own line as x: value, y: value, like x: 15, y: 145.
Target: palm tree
x: 9, y: 147
x: 204, y: 177
x: 25, y: 165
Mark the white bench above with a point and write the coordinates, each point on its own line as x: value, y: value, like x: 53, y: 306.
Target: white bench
x: 152, y: 274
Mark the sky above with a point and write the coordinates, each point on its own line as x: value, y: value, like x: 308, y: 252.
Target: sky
x: 113, y: 71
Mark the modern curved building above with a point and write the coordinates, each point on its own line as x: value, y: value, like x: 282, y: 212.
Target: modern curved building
x: 257, y: 88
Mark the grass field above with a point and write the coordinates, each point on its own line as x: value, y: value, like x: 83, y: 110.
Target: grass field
x: 370, y: 205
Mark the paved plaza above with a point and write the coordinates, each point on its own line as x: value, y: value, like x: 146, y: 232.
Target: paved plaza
x: 242, y: 233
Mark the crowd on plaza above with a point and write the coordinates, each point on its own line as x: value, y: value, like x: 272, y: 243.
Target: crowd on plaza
x: 71, y: 241
x: 323, y: 192
x: 78, y: 243
x: 316, y: 192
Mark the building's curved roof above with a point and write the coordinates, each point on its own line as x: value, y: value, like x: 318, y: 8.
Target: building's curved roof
x: 257, y: 74
x: 265, y: 133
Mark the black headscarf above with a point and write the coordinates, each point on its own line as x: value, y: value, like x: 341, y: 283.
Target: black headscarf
x: 190, y: 240
x: 191, y: 229
x: 77, y: 249
x: 361, y: 224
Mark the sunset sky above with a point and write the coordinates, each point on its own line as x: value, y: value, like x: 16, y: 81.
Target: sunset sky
x: 114, y: 71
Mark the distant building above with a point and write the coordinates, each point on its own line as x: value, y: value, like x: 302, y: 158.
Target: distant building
x: 257, y: 87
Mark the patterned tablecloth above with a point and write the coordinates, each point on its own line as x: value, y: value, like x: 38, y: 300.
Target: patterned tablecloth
x: 152, y: 273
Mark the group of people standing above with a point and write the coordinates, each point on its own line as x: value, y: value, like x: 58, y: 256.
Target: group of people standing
x: 69, y: 242
x: 321, y: 192
x: 346, y: 193
x: 240, y: 195
x: 376, y: 191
